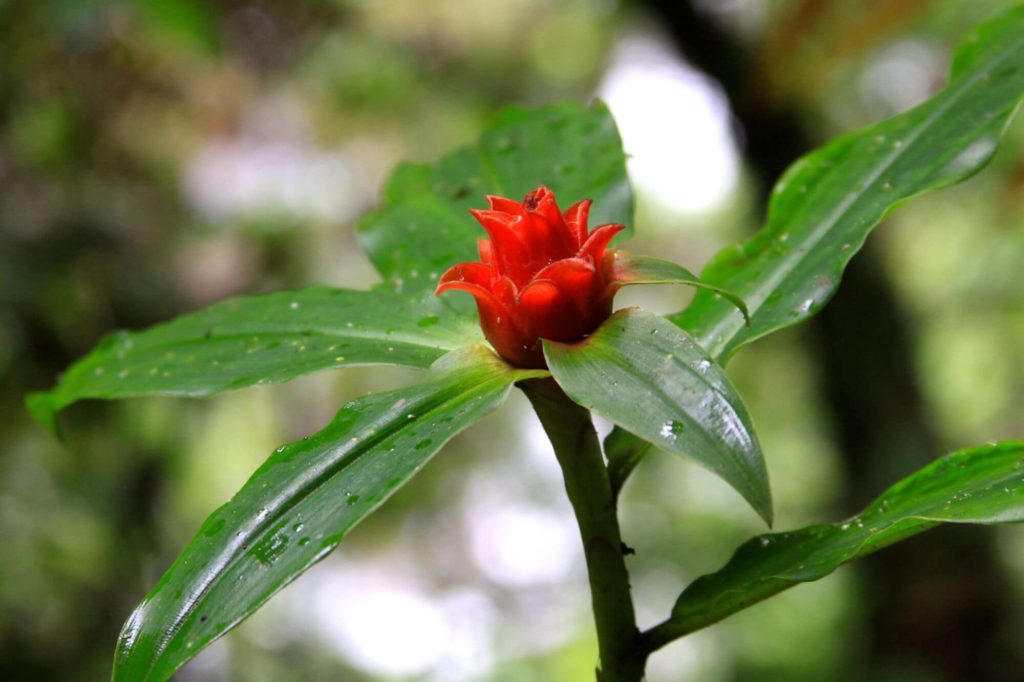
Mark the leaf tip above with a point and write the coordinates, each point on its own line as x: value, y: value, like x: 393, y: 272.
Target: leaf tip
x: 42, y: 410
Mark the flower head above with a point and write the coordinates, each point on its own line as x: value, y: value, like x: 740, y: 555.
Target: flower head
x: 541, y: 275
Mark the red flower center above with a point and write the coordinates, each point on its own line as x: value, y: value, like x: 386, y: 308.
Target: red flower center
x: 541, y: 275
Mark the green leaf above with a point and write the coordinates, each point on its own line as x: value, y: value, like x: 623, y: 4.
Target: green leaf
x: 644, y: 374
x: 823, y: 208
x: 978, y: 485
x: 260, y: 340
x: 424, y: 226
x: 298, y: 506
x: 630, y: 268
x: 826, y: 204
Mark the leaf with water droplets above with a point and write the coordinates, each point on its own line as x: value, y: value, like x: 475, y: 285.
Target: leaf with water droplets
x: 644, y: 374
x: 299, y: 505
x: 424, y: 226
x: 978, y: 485
x: 826, y: 204
x: 260, y: 340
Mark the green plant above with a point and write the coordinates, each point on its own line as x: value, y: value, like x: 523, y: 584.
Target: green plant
x: 659, y: 380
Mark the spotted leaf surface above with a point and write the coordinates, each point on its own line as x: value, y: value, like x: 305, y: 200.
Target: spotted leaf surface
x: 645, y: 375
x: 299, y: 505
x: 826, y: 204
x: 978, y: 485
x: 260, y: 340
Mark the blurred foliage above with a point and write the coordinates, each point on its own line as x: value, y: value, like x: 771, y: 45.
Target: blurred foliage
x: 156, y: 156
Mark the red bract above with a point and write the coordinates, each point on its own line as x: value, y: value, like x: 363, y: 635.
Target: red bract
x: 541, y: 275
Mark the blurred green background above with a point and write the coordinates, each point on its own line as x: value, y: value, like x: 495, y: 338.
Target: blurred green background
x: 159, y: 155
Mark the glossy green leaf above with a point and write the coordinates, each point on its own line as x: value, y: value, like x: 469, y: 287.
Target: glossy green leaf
x: 826, y: 204
x: 630, y: 268
x: 424, y: 226
x: 646, y: 375
x: 978, y: 485
x: 298, y: 506
x: 261, y: 339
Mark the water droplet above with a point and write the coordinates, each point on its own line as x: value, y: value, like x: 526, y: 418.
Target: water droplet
x: 351, y: 499
x: 703, y: 366
x: 766, y: 541
x: 297, y: 528
x: 886, y: 186
x: 671, y: 429
x: 294, y: 305
x: 98, y: 371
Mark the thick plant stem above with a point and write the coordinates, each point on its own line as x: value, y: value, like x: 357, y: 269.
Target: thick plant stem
x: 572, y: 434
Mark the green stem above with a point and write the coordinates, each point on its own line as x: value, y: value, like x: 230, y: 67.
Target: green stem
x: 572, y: 434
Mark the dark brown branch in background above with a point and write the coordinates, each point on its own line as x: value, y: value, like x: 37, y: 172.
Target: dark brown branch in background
x: 935, y: 605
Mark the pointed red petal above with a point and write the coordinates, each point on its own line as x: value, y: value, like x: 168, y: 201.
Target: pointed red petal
x: 541, y: 202
x: 503, y: 204
x: 508, y: 250
x: 567, y: 271
x: 493, y: 297
x: 598, y: 241
x: 466, y: 276
x: 544, y: 230
x: 577, y: 279
x: 552, y: 313
x: 538, y: 197
x: 487, y: 218
x: 576, y: 219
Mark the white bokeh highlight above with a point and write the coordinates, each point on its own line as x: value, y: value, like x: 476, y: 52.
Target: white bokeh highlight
x: 675, y: 126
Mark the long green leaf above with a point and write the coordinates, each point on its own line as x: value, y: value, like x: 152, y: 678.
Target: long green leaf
x: 978, y: 485
x: 826, y: 204
x: 298, y: 506
x: 424, y: 226
x: 261, y: 339
x: 644, y: 374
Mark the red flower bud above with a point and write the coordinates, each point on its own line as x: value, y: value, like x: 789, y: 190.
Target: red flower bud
x: 541, y: 275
